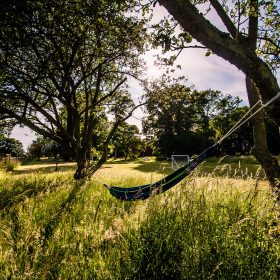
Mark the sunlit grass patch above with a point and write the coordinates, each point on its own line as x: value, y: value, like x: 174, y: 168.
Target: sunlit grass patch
x: 215, y: 229
x: 207, y: 227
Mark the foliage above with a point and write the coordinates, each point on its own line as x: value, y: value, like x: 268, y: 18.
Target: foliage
x: 51, y: 149
x: 100, y: 134
x: 55, y: 150
x: 35, y: 150
x: 171, y: 37
x: 11, y: 146
x: 180, y: 116
x: 240, y: 142
x: 65, y: 63
x: 186, y: 121
x: 127, y: 142
x: 267, y: 14
x: 6, y: 127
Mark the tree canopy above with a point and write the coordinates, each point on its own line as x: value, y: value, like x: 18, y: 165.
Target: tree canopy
x: 181, y: 118
x: 243, y: 23
x: 127, y: 142
x: 11, y: 146
x: 65, y: 63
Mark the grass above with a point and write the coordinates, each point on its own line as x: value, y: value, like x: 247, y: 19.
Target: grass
x: 241, y: 167
x: 211, y: 226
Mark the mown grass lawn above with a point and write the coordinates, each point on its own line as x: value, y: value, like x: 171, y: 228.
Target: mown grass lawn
x: 219, y: 223
x: 229, y: 166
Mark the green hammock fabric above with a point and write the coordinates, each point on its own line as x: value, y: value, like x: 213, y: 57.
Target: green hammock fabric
x: 148, y: 190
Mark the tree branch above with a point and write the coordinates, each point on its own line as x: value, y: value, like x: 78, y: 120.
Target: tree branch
x: 111, y: 92
x: 29, y: 124
x: 225, y: 18
x: 253, y: 24
x: 221, y: 44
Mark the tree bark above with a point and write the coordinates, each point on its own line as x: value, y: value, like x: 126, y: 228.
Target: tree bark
x: 236, y: 52
x: 81, y: 159
x: 260, y: 150
x: 240, y: 51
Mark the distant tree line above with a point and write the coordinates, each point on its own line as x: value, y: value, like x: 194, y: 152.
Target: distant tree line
x: 126, y: 143
x: 179, y: 120
x: 184, y: 120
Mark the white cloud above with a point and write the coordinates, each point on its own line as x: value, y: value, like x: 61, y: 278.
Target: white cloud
x: 212, y: 72
x: 24, y: 135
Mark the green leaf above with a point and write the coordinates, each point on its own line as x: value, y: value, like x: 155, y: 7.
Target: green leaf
x: 208, y: 53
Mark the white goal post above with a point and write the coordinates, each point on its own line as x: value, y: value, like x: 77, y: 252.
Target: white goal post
x: 179, y: 160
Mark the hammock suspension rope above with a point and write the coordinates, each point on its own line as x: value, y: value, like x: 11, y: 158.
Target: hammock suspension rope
x: 148, y: 190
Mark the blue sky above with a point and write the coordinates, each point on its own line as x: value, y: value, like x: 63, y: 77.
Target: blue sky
x: 201, y: 71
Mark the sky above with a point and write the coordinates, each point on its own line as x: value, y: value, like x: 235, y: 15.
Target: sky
x: 201, y: 71
x: 211, y: 72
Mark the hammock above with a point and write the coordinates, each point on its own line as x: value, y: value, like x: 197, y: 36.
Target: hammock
x: 146, y: 191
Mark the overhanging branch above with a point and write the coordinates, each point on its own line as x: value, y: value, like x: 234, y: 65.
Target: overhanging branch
x: 225, y: 18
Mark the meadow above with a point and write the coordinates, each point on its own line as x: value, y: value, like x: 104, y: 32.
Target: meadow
x: 219, y: 223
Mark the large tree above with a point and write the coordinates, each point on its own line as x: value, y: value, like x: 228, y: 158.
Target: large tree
x: 63, y: 63
x: 233, y: 45
x: 251, y: 43
x: 181, y: 118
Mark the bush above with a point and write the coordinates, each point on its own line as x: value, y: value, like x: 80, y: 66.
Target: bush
x: 10, y: 167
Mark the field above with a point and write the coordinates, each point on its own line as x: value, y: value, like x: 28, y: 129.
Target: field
x: 219, y: 223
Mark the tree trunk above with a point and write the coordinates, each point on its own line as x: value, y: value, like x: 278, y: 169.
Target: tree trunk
x: 240, y: 52
x: 81, y: 159
x: 260, y: 150
x: 236, y: 52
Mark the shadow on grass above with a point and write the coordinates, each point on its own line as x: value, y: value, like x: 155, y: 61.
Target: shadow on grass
x: 24, y: 188
x: 121, y: 161
x: 47, y: 231
x: 45, y: 169
x: 48, y: 167
x: 153, y: 167
x: 229, y: 167
x: 43, y: 161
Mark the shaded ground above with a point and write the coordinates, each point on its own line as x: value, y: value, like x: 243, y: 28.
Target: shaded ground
x: 45, y: 167
x: 236, y: 167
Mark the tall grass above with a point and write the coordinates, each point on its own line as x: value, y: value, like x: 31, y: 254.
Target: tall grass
x: 210, y: 232
x: 205, y: 228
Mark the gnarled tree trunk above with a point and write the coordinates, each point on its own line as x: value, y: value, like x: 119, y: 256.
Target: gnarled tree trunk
x: 260, y: 150
x: 232, y: 50
x: 240, y: 51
